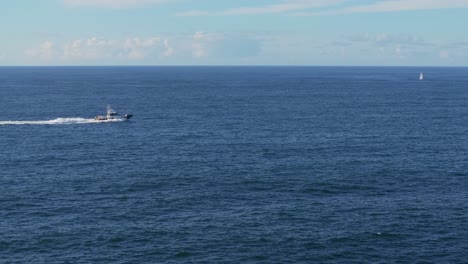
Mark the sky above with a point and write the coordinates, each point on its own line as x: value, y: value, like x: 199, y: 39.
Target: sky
x: 234, y: 32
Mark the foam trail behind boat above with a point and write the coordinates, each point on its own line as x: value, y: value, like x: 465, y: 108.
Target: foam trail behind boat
x: 60, y: 121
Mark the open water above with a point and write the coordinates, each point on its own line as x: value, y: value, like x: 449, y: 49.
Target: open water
x: 234, y: 165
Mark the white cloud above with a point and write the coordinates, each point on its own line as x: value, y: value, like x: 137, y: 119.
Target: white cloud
x: 93, y: 49
x: 384, y: 39
x: 285, y: 6
x: 224, y: 45
x: 86, y: 49
x: 396, y: 6
x: 444, y: 54
x: 407, y: 5
x: 202, y: 42
x: 45, y: 51
x: 111, y: 3
x: 399, y: 51
x: 401, y: 47
x: 136, y: 48
x: 460, y: 45
x: 168, y: 49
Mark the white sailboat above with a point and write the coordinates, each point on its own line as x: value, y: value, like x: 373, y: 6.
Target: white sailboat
x: 421, y: 76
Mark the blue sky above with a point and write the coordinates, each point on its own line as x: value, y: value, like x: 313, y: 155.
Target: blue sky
x: 240, y: 32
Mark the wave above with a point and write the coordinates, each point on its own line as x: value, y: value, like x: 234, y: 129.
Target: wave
x: 60, y: 121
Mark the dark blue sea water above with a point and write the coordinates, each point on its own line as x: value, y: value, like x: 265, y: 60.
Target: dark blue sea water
x: 234, y: 165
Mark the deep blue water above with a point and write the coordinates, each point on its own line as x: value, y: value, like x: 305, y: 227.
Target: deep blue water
x: 234, y: 165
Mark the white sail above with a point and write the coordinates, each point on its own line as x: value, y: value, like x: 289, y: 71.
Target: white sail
x: 421, y: 76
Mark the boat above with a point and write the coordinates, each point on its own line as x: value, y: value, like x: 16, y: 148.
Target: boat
x: 112, y: 115
x: 421, y: 76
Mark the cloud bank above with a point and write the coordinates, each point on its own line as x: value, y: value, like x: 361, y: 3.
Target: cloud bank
x: 314, y: 7
x: 407, y: 5
x: 283, y: 7
x: 394, y: 6
x: 95, y: 49
x: 199, y: 46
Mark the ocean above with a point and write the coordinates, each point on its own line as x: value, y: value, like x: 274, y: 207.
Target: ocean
x: 234, y: 165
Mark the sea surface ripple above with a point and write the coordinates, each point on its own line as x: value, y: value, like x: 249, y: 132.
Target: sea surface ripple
x: 234, y: 165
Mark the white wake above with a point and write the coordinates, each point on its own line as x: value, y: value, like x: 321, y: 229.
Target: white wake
x: 61, y: 121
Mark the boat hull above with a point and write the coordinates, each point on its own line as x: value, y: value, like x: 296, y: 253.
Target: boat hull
x: 104, y: 118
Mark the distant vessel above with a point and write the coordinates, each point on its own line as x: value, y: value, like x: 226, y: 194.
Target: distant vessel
x: 111, y: 115
x: 421, y: 76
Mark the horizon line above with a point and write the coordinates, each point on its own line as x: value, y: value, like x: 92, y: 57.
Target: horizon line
x: 235, y: 65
